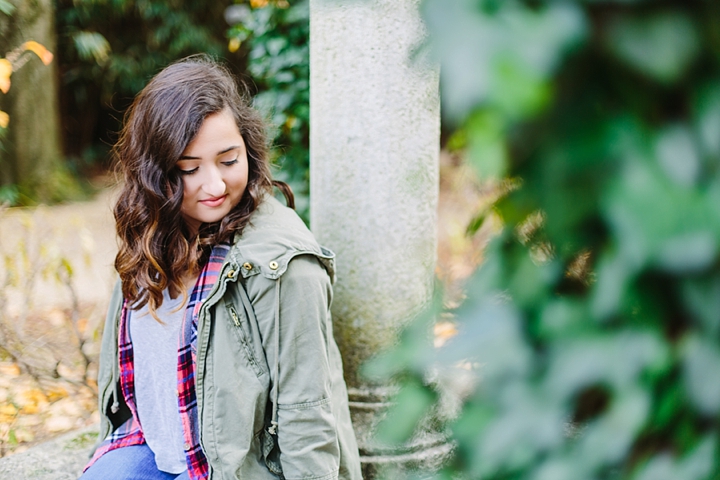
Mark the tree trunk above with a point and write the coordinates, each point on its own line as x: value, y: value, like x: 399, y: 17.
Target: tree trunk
x: 31, y: 155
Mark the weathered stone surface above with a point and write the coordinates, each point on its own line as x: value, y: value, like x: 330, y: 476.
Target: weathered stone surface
x: 374, y: 181
x: 374, y: 147
x: 59, y: 459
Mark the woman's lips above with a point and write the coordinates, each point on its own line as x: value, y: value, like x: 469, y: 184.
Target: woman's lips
x: 214, y: 202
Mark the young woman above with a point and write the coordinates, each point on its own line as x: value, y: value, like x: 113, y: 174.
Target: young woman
x: 218, y: 359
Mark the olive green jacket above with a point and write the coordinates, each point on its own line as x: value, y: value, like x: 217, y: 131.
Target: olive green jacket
x: 251, y: 374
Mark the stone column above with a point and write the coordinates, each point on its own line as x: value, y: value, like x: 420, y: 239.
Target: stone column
x: 374, y: 145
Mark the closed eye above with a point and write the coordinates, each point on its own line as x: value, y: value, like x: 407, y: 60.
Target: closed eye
x: 188, y: 172
x: 230, y: 162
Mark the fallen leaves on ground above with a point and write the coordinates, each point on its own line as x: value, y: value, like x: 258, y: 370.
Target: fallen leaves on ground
x: 34, y: 409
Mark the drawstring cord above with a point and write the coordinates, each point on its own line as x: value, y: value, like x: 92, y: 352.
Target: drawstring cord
x: 115, y: 407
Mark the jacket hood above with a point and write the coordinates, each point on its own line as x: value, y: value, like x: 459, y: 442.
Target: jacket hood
x: 273, y: 237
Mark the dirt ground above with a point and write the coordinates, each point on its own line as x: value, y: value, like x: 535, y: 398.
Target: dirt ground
x: 55, y: 278
x: 58, y: 316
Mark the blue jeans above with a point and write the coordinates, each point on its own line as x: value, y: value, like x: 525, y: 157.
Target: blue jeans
x: 136, y: 462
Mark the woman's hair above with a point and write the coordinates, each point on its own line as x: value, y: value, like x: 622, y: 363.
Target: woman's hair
x: 156, y: 250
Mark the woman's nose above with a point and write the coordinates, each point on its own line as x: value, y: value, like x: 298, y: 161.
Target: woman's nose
x: 214, y: 184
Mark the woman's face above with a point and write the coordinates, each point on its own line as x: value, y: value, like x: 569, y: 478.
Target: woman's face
x: 214, y: 169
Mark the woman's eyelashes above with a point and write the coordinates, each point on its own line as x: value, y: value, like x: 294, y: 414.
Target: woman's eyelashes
x: 188, y: 172
x: 193, y: 170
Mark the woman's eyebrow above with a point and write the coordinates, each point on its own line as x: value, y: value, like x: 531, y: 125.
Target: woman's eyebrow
x: 228, y: 149
x: 225, y: 150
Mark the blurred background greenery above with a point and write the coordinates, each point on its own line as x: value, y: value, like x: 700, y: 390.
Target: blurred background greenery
x: 588, y: 342
x: 108, y: 50
x: 589, y: 339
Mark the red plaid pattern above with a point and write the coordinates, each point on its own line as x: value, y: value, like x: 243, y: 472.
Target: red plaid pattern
x: 187, y: 359
x: 130, y: 433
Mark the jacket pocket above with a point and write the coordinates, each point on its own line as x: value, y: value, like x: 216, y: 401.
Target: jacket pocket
x: 240, y: 320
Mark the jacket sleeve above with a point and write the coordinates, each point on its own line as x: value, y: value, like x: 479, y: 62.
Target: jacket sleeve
x: 306, y: 430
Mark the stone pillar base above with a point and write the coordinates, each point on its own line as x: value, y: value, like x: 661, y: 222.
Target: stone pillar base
x: 426, y: 451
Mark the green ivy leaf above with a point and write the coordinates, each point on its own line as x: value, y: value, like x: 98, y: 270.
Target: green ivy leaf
x: 529, y: 422
x: 656, y: 221
x: 608, y: 439
x: 698, y: 465
x: 707, y: 118
x: 701, y: 297
x: 487, y: 152
x: 701, y: 362
x: 615, y: 360
x: 564, y: 317
x: 562, y: 467
x: 527, y: 44
x: 92, y: 46
x: 661, y: 45
x: 7, y: 8
x: 411, y: 404
x: 677, y: 154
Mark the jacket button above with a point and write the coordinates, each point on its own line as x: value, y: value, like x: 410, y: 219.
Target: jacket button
x: 273, y: 265
x: 187, y: 447
x: 231, y: 274
x: 247, y: 266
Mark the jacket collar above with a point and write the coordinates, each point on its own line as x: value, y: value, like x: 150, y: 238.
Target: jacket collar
x: 273, y: 237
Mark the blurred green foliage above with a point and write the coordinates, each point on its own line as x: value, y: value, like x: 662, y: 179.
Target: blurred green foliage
x: 109, y: 49
x: 6, y: 7
x: 276, y: 34
x: 593, y: 326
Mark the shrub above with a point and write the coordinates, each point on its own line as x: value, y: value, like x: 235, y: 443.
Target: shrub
x: 593, y: 324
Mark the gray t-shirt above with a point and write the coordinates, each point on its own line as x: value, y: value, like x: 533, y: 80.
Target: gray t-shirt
x: 155, y: 350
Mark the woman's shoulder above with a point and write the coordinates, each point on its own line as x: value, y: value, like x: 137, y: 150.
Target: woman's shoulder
x: 275, y: 235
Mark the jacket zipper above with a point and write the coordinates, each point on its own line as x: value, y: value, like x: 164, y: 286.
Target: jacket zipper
x: 220, y: 285
x: 234, y: 316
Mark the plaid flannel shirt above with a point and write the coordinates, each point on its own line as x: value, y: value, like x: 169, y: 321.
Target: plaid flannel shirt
x: 130, y: 432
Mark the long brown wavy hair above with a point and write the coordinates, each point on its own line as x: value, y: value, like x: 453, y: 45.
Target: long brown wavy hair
x: 156, y: 250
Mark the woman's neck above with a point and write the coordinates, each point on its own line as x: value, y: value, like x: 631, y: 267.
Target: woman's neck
x: 189, y: 280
